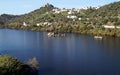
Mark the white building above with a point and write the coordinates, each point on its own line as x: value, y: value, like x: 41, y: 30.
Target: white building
x: 56, y: 10
x: 62, y: 10
x: 71, y: 12
x: 77, y: 10
x: 24, y: 24
x: 98, y: 7
x: 117, y: 26
x: 107, y: 26
x: 110, y: 26
x: 80, y: 19
x: 39, y: 24
x: 85, y: 8
x: 47, y: 23
x: 72, y: 17
x: 44, y: 24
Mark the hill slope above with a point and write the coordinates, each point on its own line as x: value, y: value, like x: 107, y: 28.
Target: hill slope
x: 36, y: 14
x: 4, y: 18
x: 108, y: 14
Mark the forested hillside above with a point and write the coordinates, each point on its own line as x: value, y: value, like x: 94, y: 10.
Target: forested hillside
x: 50, y: 18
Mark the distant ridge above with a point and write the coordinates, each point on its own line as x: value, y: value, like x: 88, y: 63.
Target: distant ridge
x: 103, y: 15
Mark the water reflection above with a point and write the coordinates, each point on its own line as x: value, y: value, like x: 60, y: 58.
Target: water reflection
x: 70, y: 55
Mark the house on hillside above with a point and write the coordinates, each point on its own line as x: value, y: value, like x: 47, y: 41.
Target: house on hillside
x: 47, y: 23
x: 71, y: 12
x: 44, y: 24
x: 56, y: 10
x: 72, y: 17
x: 64, y: 9
x: 78, y: 10
x: 25, y: 24
x: 110, y: 26
x: 39, y: 24
x: 85, y: 8
x: 79, y: 19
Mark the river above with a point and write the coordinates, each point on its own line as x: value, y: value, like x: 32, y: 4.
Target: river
x: 71, y: 55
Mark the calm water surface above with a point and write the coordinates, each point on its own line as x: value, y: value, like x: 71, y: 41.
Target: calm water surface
x: 71, y: 55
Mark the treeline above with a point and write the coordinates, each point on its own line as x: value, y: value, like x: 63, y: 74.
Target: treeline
x: 12, y: 66
x: 88, y: 21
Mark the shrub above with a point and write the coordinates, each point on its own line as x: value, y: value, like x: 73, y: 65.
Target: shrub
x: 12, y: 66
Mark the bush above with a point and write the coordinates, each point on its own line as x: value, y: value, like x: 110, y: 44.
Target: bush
x: 12, y: 66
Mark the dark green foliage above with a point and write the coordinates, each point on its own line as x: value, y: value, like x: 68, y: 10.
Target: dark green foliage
x: 12, y: 66
x: 37, y: 15
x: 91, y: 20
x: 5, y: 18
x: 108, y: 13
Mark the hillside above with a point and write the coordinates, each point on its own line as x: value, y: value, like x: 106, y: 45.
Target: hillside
x: 4, y: 18
x: 30, y: 17
x: 36, y: 14
x: 88, y: 20
x: 108, y: 14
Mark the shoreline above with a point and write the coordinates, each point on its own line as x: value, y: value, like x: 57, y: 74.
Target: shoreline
x: 93, y: 32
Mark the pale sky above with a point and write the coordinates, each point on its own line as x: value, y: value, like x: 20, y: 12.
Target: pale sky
x: 17, y: 7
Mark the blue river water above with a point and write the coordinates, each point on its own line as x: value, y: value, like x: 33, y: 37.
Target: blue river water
x: 73, y: 54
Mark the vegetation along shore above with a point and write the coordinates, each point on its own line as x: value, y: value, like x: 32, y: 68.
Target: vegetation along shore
x: 12, y: 66
x: 102, y: 20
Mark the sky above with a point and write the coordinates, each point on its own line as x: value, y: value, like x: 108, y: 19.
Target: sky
x: 18, y: 7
